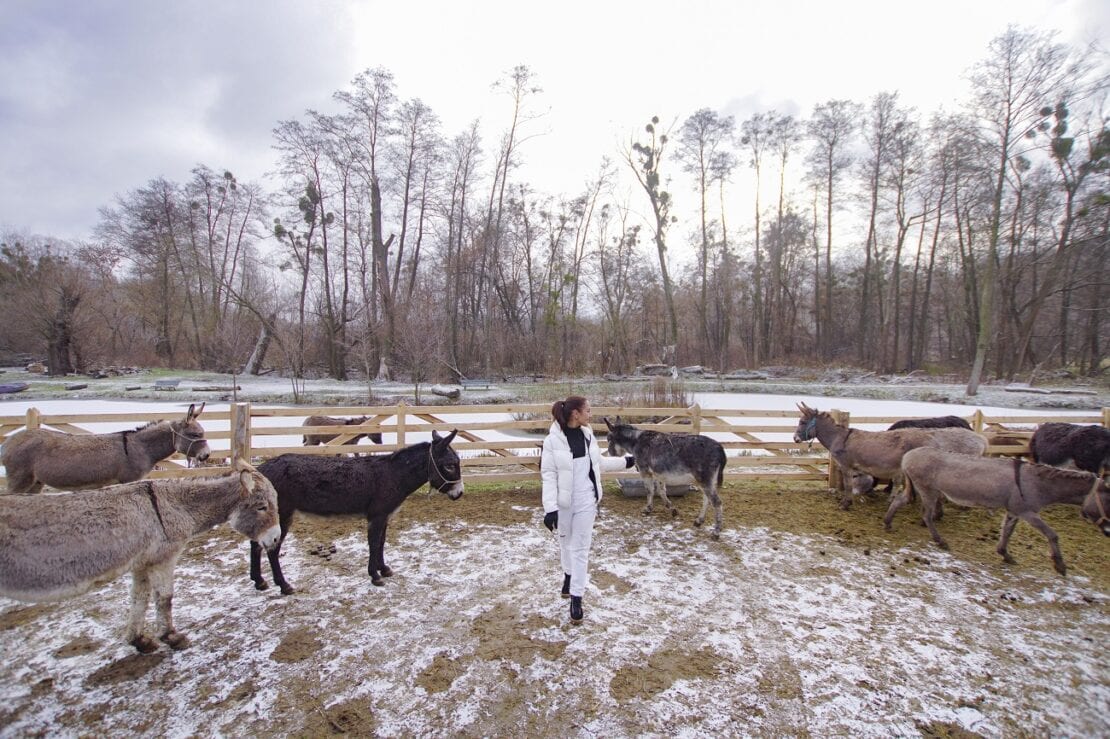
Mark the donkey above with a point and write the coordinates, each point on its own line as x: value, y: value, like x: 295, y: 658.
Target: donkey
x: 673, y: 458
x: 878, y: 453
x: 35, y: 457
x: 54, y: 547
x: 323, y: 438
x: 866, y: 483
x: 371, y: 486
x: 938, y: 422
x: 1085, y: 447
x: 1022, y: 488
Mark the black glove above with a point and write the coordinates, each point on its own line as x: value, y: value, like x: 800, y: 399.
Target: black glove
x: 551, y: 520
x: 629, y: 461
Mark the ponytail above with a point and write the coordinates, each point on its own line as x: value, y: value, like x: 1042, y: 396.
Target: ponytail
x: 561, y: 409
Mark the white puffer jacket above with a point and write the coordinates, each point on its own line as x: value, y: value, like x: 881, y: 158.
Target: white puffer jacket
x: 557, y: 463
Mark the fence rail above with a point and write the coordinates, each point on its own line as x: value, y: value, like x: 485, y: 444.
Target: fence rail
x: 501, y: 443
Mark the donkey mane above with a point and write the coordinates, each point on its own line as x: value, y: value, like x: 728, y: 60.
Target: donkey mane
x: 148, y: 425
x: 1048, y: 472
x: 408, y: 451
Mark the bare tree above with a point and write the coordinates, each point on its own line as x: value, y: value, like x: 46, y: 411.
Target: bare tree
x: 704, y: 141
x: 830, y: 130
x: 646, y: 161
x: 1023, y: 70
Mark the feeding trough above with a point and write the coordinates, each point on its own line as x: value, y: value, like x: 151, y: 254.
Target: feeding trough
x: 634, y: 487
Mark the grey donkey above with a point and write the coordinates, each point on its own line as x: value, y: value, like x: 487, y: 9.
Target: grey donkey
x: 673, y: 458
x: 36, y: 457
x: 54, y: 547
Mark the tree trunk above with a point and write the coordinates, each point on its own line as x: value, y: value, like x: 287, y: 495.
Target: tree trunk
x: 261, y: 346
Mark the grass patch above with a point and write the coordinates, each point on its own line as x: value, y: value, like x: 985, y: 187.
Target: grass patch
x: 808, y: 509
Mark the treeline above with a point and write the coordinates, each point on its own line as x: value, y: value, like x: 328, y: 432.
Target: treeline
x: 876, y: 235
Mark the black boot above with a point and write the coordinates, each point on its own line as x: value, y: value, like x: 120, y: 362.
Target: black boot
x: 566, y: 586
x: 576, y: 609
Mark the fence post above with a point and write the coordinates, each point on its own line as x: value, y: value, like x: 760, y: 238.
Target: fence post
x: 1106, y: 418
x: 696, y: 417
x: 33, y: 421
x: 401, y: 423
x: 836, y: 478
x: 240, y: 432
x: 977, y: 421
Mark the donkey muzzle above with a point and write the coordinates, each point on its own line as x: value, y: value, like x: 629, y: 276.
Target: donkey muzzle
x: 269, y: 538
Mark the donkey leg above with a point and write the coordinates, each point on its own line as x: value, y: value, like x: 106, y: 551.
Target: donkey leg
x: 709, y: 494
x: 256, y: 567
x: 383, y: 568
x: 649, y: 483
x: 896, y: 502
x: 1008, y: 526
x: 1053, y: 541
x: 375, y: 527
x: 161, y: 581
x: 661, y: 486
x: 928, y: 508
x: 274, y: 557
x: 140, y: 596
x: 704, y: 506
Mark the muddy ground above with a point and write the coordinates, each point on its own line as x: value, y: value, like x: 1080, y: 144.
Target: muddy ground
x: 802, y: 620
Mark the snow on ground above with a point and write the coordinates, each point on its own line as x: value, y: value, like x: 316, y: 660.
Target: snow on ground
x: 759, y: 634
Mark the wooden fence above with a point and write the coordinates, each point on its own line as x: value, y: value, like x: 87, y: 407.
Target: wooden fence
x: 758, y: 442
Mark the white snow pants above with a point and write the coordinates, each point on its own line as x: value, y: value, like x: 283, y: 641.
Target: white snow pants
x: 576, y: 529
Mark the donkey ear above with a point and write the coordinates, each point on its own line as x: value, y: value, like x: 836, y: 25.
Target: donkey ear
x: 246, y: 479
x: 607, y: 424
x: 447, y: 439
x: 435, y: 436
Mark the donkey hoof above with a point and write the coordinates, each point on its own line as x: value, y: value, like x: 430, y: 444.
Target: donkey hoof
x: 647, y: 510
x: 674, y: 513
x: 386, y: 571
x: 699, y: 521
x: 845, y: 503
x: 176, y: 640
x: 261, y: 585
x: 287, y: 590
x: 716, y: 535
x: 144, y: 644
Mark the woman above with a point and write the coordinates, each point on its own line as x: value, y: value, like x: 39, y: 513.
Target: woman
x: 571, y: 467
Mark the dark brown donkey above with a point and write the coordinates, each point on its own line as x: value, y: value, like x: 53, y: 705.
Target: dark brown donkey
x: 317, y: 437
x: 878, y: 453
x: 1022, y: 488
x: 36, y: 457
x: 373, y: 486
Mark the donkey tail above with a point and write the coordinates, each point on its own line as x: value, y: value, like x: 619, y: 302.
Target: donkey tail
x: 722, y: 460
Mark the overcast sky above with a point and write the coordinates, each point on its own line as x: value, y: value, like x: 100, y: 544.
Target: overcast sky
x: 98, y: 97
